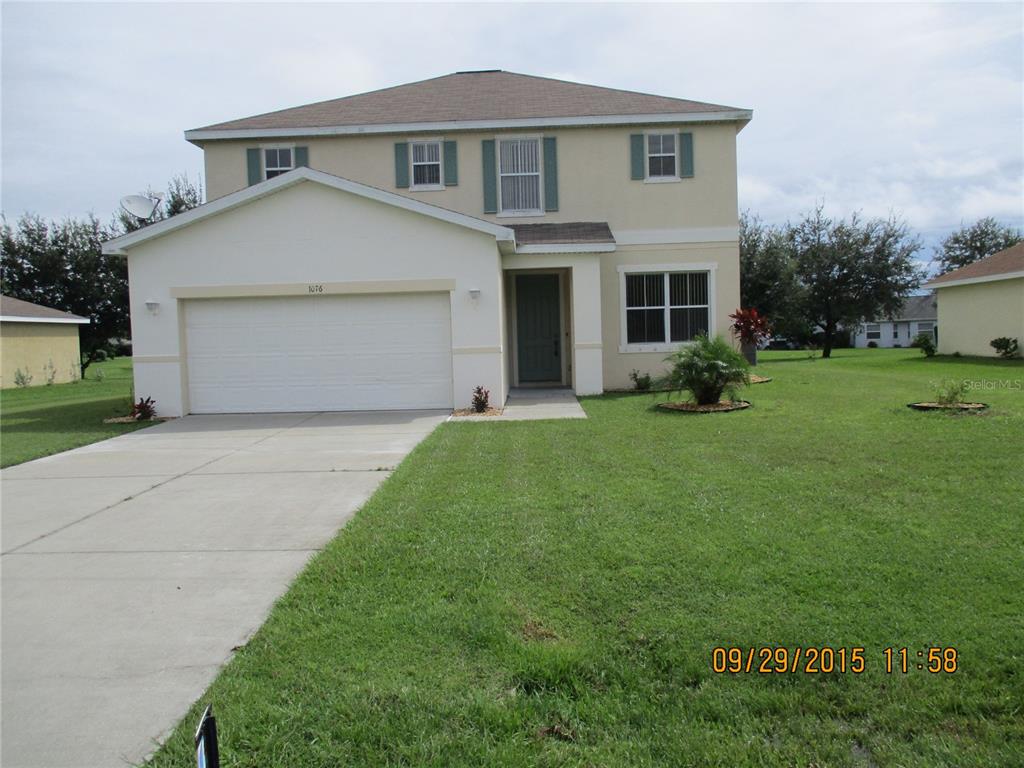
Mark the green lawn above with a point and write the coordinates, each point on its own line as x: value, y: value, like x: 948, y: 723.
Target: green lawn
x: 39, y: 421
x: 549, y: 593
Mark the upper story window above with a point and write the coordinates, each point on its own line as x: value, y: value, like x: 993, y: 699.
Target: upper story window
x: 426, y: 165
x: 519, y: 177
x: 666, y: 307
x: 661, y: 156
x: 277, y: 161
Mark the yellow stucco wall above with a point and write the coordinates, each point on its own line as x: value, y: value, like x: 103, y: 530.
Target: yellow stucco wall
x: 970, y: 316
x: 593, y: 174
x: 33, y: 347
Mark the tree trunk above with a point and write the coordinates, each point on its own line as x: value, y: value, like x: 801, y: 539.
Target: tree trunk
x: 826, y: 345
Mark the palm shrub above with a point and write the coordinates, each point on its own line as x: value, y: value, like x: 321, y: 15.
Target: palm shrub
x: 706, y: 368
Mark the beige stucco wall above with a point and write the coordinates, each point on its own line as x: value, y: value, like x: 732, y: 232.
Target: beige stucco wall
x: 970, y: 316
x: 593, y: 175
x: 34, y: 347
x: 309, y: 233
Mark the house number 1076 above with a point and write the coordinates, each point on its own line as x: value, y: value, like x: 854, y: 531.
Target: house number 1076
x: 316, y: 288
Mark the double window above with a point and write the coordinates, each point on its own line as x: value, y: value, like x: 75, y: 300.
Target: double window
x: 873, y: 331
x: 661, y: 156
x: 519, y: 176
x: 426, y: 165
x: 277, y: 161
x: 666, y: 307
x: 925, y: 327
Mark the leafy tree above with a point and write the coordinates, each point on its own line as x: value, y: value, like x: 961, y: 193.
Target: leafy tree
x: 971, y: 243
x: 852, y: 269
x: 768, y: 276
x: 182, y: 195
x: 60, y: 265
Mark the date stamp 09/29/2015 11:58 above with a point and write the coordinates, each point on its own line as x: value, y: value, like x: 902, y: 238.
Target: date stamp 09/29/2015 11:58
x: 828, y: 660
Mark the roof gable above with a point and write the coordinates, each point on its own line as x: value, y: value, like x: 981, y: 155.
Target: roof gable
x: 20, y: 311
x: 118, y: 245
x: 1004, y: 265
x: 471, y: 98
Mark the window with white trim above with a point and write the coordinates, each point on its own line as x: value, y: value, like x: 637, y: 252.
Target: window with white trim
x: 519, y: 176
x: 874, y: 331
x: 426, y: 165
x: 925, y: 327
x: 895, y: 330
x: 661, y: 156
x: 277, y: 161
x: 666, y: 307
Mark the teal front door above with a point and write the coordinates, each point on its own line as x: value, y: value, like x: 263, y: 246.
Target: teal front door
x: 538, y: 328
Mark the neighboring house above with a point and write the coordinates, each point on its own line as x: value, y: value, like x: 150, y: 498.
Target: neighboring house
x: 40, y: 342
x: 397, y: 248
x: 917, y: 315
x: 981, y: 302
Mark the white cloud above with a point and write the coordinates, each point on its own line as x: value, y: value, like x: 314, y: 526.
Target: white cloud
x: 911, y: 108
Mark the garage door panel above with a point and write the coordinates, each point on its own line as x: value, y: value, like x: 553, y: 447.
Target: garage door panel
x: 319, y: 353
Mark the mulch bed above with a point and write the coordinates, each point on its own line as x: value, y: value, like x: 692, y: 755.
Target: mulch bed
x: 471, y: 412
x: 755, y: 379
x: 722, y: 406
x: 954, y: 407
x: 635, y: 391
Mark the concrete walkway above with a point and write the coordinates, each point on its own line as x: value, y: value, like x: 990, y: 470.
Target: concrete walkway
x: 132, y: 567
x: 525, y: 404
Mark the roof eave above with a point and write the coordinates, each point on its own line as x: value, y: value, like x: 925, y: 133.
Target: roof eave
x: 119, y: 245
x: 974, y: 280
x: 739, y: 116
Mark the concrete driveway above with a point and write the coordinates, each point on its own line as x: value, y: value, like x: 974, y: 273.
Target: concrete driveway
x: 132, y: 567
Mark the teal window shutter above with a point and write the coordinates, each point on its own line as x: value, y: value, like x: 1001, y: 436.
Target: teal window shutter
x: 401, y: 165
x: 451, y: 164
x: 636, y: 156
x: 550, y: 174
x: 302, y: 157
x: 490, y: 177
x: 686, y: 155
x: 252, y: 158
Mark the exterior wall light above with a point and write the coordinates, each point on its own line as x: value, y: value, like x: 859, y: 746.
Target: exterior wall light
x: 474, y: 293
x: 153, y: 306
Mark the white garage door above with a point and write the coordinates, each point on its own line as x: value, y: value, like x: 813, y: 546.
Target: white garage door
x: 319, y: 353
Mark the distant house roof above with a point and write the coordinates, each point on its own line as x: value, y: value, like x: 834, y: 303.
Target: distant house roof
x: 471, y: 100
x: 14, y: 310
x: 918, y: 308
x: 1004, y: 265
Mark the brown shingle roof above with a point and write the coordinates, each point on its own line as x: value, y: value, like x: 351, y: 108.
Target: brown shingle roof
x: 484, y: 95
x: 1005, y: 262
x: 12, y: 307
x: 569, y: 232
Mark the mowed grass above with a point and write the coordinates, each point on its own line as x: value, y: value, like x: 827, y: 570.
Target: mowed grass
x: 549, y: 593
x: 40, y: 421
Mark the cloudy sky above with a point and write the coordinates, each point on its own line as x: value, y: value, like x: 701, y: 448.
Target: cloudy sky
x: 913, y: 108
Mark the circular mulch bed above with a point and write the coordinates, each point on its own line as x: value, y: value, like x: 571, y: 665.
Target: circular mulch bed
x: 755, y: 379
x: 952, y: 407
x: 722, y: 406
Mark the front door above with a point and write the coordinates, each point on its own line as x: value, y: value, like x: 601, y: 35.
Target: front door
x: 538, y: 328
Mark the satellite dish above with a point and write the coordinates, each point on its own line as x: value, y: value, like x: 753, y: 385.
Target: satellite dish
x: 140, y: 206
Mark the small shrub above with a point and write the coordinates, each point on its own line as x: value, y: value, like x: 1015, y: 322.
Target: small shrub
x: 957, y: 354
x: 641, y: 381
x: 925, y: 343
x: 22, y: 378
x: 1006, y: 347
x: 872, y: 345
x: 144, y: 410
x: 750, y: 327
x: 50, y: 371
x: 99, y: 375
x: 100, y: 355
x: 707, y: 368
x: 950, y: 392
x: 481, y: 399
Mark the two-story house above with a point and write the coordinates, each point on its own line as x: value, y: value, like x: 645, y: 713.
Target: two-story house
x: 397, y: 248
